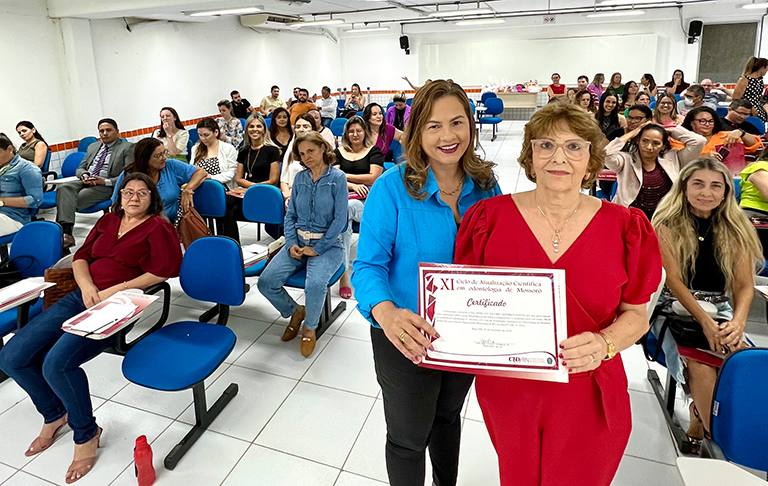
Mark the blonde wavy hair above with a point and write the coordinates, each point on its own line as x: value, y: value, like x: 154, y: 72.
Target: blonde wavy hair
x: 416, y: 164
x: 734, y: 236
x: 256, y: 118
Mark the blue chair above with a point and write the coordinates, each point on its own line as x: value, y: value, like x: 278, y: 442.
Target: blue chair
x: 739, y: 422
x: 486, y: 96
x: 472, y: 106
x: 329, y: 314
x: 494, y: 107
x: 71, y: 163
x: 182, y: 355
x: 268, y: 121
x: 337, y: 126
x: 722, y: 111
x: 189, y: 150
x: 389, y: 105
x: 737, y: 189
x: 242, y: 122
x: 83, y: 144
x: 397, y: 151
x: 653, y: 103
x: 757, y: 123
x: 359, y: 113
x: 263, y: 204
x: 678, y: 97
x: 47, y: 161
x: 193, y: 136
x: 210, y: 202
x: 409, y: 101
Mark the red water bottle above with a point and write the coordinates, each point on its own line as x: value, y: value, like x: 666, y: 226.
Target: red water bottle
x: 142, y: 456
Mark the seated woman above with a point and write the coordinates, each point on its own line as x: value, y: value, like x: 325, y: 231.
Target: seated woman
x: 642, y: 99
x: 257, y: 163
x: 131, y: 247
x: 291, y: 165
x: 570, y: 94
x: 218, y: 158
x: 230, y: 127
x: 398, y: 113
x: 355, y: 102
x: 665, y: 113
x: 34, y: 148
x: 607, y: 116
x: 175, y: 180
x: 645, y: 175
x: 596, y: 86
x: 677, y: 85
x: 555, y: 90
x: 326, y: 132
x: 704, y: 121
x: 280, y: 130
x: 317, y: 213
x: 21, y: 188
x: 380, y: 133
x: 648, y: 85
x: 615, y: 85
x: 710, y: 252
x: 751, y: 86
x: 583, y: 100
x: 629, y: 98
x: 173, y: 134
x: 363, y: 163
x: 754, y: 189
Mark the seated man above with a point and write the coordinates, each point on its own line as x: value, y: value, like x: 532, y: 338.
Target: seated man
x: 693, y: 98
x: 738, y: 112
x: 328, y: 107
x: 295, y: 98
x: 272, y: 102
x: 21, y: 188
x: 301, y: 106
x: 98, y: 172
x: 715, y: 93
x: 241, y: 107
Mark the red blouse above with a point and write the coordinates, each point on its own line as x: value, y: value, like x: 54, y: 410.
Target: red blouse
x: 151, y: 247
x: 558, y: 90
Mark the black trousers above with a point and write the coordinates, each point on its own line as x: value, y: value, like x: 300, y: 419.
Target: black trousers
x: 235, y: 213
x: 422, y: 408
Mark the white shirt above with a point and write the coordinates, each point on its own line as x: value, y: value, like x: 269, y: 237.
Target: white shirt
x: 180, y: 139
x: 227, y: 163
x: 328, y: 107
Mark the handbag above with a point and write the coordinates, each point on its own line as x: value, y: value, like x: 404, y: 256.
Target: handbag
x: 687, y: 332
x: 65, y: 282
x: 191, y: 227
x: 10, y: 269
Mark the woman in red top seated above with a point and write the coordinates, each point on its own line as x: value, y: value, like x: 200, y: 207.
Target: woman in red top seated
x: 132, y: 247
x: 555, y: 89
x: 553, y: 433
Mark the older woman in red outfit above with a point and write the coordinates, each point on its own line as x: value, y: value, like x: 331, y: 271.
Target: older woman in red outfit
x: 547, y: 433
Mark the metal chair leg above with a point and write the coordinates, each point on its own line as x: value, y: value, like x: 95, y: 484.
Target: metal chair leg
x: 666, y: 399
x: 329, y: 315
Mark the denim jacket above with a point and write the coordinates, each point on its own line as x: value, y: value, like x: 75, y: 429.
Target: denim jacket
x: 318, y: 207
x: 23, y: 179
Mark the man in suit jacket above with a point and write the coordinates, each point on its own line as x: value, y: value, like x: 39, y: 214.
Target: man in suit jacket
x: 98, y: 172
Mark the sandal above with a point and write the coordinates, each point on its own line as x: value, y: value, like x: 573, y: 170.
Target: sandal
x: 695, y: 432
x: 345, y: 293
x: 81, y: 467
x: 42, y: 443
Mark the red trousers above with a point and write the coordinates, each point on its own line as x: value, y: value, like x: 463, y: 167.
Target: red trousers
x: 556, y: 434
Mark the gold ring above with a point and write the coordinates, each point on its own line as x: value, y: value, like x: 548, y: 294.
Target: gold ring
x: 592, y: 358
x: 402, y: 337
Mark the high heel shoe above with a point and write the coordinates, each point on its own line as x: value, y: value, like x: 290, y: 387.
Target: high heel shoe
x: 81, y: 467
x: 695, y: 432
x: 42, y: 443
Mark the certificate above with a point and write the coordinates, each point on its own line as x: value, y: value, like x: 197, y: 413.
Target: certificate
x: 495, y: 321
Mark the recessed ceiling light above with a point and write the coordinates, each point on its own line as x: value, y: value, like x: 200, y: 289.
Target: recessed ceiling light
x: 230, y: 11
x: 755, y: 6
x: 618, y: 13
x: 480, y: 22
x: 459, y: 13
x: 367, y: 29
x: 311, y: 23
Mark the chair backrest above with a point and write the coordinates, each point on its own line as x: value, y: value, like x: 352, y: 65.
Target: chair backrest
x: 486, y: 96
x: 739, y: 422
x: 337, y: 126
x: 397, y: 151
x: 242, y: 122
x: 737, y: 189
x: 495, y: 106
x: 193, y: 136
x: 678, y: 97
x: 409, y: 101
x: 341, y: 103
x: 722, y: 111
x: 359, y: 113
x: 472, y: 106
x: 47, y: 161
x: 40, y: 240
x: 83, y: 144
x: 71, y: 163
x: 268, y: 121
x: 389, y: 105
x: 217, y: 256
x: 263, y: 203
x: 758, y: 123
x: 189, y: 150
x: 210, y: 199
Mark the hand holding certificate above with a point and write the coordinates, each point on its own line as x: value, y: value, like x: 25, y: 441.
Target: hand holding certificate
x: 498, y: 321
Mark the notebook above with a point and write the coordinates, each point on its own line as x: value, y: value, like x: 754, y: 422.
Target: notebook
x: 109, y: 316
x: 22, y: 291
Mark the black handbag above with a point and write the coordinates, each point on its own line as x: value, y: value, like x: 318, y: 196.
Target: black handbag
x: 10, y: 269
x: 687, y: 333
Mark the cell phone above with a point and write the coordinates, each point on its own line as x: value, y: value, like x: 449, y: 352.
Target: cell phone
x: 85, y: 176
x: 724, y: 152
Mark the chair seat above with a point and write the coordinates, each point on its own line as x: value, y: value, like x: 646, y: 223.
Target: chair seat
x: 490, y: 120
x: 297, y: 279
x: 49, y: 200
x: 8, y: 319
x: 7, y: 239
x: 256, y: 269
x: 97, y: 207
x: 179, y: 355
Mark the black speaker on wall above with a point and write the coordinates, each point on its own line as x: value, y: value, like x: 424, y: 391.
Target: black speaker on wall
x: 404, y: 44
x: 694, y: 30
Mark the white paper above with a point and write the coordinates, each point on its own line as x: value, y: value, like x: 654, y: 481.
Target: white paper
x: 109, y: 314
x: 23, y: 287
x: 63, y: 180
x: 254, y: 252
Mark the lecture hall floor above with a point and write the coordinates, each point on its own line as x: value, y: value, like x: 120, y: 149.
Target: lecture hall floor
x: 296, y: 421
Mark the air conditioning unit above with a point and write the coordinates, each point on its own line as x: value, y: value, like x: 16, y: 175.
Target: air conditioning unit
x: 268, y: 21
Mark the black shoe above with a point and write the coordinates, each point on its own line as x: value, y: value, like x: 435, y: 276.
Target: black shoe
x: 68, y: 241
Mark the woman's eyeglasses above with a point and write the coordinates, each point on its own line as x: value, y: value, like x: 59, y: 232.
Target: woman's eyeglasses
x: 573, y: 149
x: 161, y: 155
x: 704, y: 121
x: 129, y: 193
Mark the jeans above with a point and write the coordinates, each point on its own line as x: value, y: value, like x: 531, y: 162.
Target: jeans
x: 326, y: 122
x: 45, y: 361
x: 320, y: 269
x: 422, y: 408
x: 354, y: 213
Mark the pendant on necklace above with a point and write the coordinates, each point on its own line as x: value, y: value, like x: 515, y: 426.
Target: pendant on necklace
x: 556, y: 242
x: 701, y: 238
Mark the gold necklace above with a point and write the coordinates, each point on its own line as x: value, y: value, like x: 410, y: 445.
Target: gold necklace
x: 556, y: 237
x: 461, y: 184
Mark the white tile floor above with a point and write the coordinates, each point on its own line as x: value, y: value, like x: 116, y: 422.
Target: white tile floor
x: 295, y: 421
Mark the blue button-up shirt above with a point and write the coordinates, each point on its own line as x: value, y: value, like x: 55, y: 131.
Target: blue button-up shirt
x: 318, y: 207
x: 23, y: 179
x: 398, y: 232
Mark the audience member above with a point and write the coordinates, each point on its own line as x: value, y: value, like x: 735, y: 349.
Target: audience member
x: 678, y: 84
x: 46, y: 362
x: 607, y: 116
x: 583, y: 100
x: 555, y: 90
x: 710, y: 251
x: 355, y: 102
x: 665, y: 113
x: 218, y: 158
x: 603, y: 318
x: 692, y: 98
x: 363, y: 163
x: 295, y: 97
x: 648, y: 85
x: 754, y: 189
x: 304, y: 124
x: 280, y: 130
x: 636, y: 116
x: 715, y: 93
x: 316, y: 216
x: 751, y: 86
x: 704, y: 121
x: 738, y: 112
x: 413, y: 87
x: 34, y: 148
x: 645, y: 175
x: 102, y: 165
x: 380, y: 133
x: 571, y: 94
x: 175, y: 180
x: 301, y: 106
x: 398, y: 113
x: 582, y: 82
x: 272, y: 102
x: 241, y: 107
x: 321, y: 129
x: 643, y: 99
x: 629, y: 97
x: 231, y: 128
x: 257, y: 163
x: 328, y: 107
x: 21, y: 189
x: 596, y: 86
x: 412, y: 217
x: 173, y: 134
x: 615, y: 85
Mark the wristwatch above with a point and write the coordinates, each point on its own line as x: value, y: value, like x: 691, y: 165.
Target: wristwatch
x: 2, y: 203
x: 610, y: 346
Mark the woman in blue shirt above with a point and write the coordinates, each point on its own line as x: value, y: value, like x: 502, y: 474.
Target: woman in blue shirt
x: 173, y: 177
x: 411, y: 216
x: 316, y: 216
x: 21, y: 188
